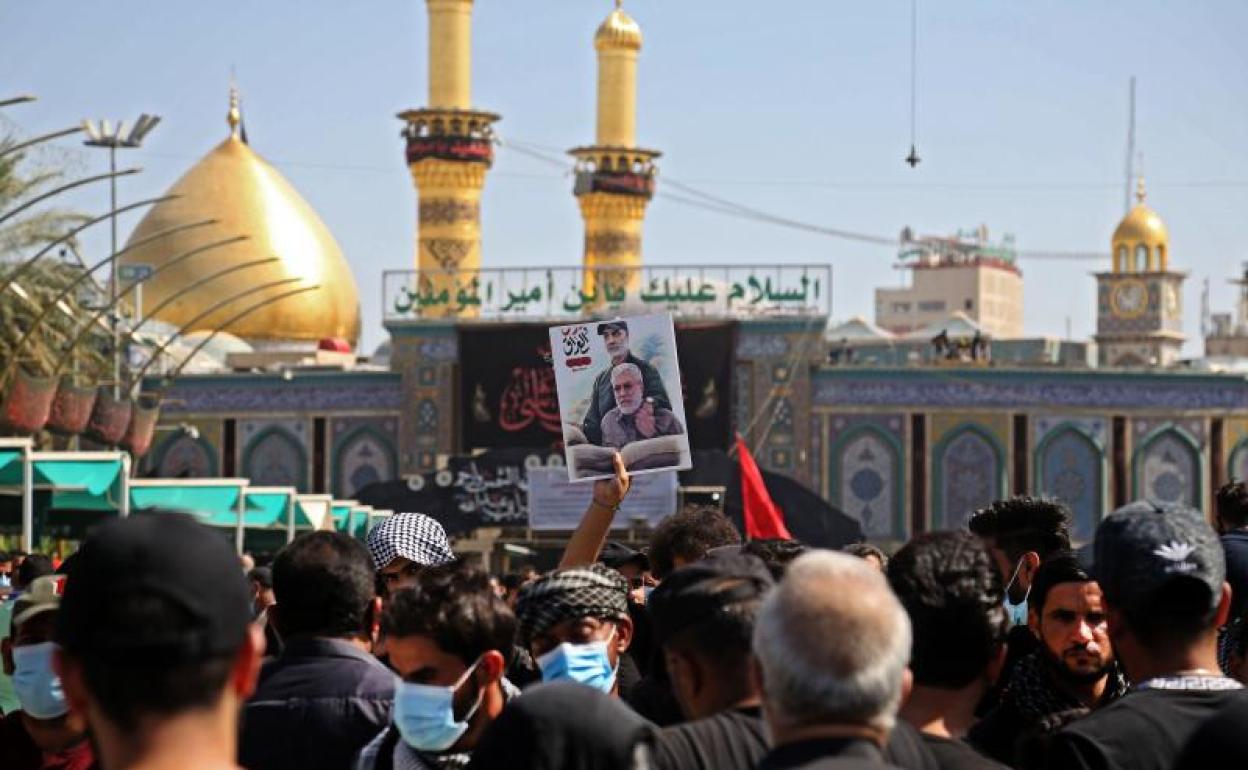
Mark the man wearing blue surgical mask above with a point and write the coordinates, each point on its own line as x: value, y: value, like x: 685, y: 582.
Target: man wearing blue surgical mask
x: 448, y: 638
x: 43, y: 735
x: 1020, y: 533
x: 575, y: 623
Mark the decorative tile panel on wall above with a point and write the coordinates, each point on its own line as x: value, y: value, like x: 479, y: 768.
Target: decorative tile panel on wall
x: 304, y: 394
x: 1168, y: 462
x: 969, y: 465
x: 1070, y: 460
x: 363, y: 452
x: 276, y: 452
x: 986, y: 389
x: 867, y: 472
x: 177, y: 455
x: 426, y: 359
x: 1236, y: 448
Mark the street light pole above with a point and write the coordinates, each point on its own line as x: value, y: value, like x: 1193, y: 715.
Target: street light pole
x: 112, y: 272
x: 99, y: 135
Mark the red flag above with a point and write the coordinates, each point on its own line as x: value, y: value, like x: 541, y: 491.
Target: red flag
x: 762, y: 518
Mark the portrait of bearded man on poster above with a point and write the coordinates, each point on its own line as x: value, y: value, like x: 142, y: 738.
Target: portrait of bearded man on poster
x: 602, y: 396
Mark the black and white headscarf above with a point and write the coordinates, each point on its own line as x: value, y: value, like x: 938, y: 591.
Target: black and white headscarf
x: 414, y: 536
x: 594, y: 591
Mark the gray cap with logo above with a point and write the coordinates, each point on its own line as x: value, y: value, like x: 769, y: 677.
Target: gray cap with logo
x: 1141, y: 547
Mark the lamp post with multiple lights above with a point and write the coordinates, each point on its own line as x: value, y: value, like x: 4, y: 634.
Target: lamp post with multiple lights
x: 102, y: 134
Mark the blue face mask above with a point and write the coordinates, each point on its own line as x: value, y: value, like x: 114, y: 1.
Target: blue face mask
x: 585, y: 663
x: 425, y: 714
x: 1017, y: 612
x: 38, y: 688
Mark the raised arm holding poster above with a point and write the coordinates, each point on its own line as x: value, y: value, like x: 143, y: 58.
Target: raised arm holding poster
x: 619, y: 390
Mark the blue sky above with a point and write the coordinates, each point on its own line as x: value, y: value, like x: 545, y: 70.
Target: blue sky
x: 797, y: 107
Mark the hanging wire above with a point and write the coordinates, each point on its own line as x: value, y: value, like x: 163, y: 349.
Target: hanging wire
x: 913, y: 158
x: 697, y: 198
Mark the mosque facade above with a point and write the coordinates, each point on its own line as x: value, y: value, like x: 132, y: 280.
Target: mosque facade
x: 899, y: 436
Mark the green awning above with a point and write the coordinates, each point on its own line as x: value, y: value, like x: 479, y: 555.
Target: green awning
x: 342, y: 517
x: 214, y: 505
x: 10, y: 467
x: 81, y: 484
x: 359, y: 523
x: 266, y: 510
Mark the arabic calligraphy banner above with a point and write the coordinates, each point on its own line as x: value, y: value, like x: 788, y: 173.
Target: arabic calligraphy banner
x: 708, y: 291
x: 507, y: 384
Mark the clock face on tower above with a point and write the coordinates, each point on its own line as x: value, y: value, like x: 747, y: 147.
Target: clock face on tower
x: 1129, y: 299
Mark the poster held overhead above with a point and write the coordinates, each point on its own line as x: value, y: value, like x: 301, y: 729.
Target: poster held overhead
x: 619, y: 391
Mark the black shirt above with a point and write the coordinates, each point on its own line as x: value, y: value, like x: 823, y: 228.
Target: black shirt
x: 729, y: 740
x: 315, y: 707
x: 825, y: 754
x: 907, y: 748
x: 1221, y: 742
x: 1019, y: 643
x: 952, y: 754
x: 1144, y: 730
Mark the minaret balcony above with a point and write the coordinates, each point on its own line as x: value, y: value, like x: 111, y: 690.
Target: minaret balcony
x: 615, y: 170
x: 456, y: 135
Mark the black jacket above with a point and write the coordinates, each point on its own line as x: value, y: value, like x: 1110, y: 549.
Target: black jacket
x: 315, y: 707
x: 825, y: 754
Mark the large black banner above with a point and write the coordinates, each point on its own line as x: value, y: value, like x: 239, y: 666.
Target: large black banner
x: 706, y: 360
x: 507, y: 385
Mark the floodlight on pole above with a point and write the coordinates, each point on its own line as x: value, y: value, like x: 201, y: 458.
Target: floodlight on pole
x: 103, y: 135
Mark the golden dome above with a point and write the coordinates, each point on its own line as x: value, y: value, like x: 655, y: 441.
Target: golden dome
x: 247, y: 196
x: 1141, y: 241
x: 619, y: 31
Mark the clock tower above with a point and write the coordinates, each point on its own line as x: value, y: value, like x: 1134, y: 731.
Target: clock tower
x: 1139, y: 318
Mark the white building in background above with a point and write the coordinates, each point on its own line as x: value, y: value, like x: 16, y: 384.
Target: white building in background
x: 961, y: 274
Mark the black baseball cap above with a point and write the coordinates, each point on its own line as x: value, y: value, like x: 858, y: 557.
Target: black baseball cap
x: 159, y: 554
x: 696, y: 592
x: 615, y: 555
x: 1142, y: 547
x: 607, y: 326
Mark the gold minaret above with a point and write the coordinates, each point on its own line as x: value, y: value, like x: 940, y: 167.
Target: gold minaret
x: 449, y: 149
x: 614, y: 177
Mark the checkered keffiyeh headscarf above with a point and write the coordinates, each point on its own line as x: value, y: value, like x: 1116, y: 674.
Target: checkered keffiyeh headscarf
x: 594, y: 591
x: 414, y: 536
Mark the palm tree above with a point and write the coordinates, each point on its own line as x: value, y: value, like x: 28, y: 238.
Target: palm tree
x: 23, y: 301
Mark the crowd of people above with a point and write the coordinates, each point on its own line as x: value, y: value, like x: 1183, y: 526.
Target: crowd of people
x: 998, y: 646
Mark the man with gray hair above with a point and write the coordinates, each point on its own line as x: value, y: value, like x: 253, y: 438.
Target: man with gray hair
x: 635, y: 417
x: 831, y: 645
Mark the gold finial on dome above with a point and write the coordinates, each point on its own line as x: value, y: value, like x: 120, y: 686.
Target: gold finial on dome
x: 619, y: 31
x: 235, y: 115
x: 1140, y: 192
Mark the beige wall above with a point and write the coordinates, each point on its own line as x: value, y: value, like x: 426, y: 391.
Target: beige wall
x: 995, y: 297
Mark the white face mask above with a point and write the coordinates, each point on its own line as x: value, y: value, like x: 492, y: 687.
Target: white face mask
x: 1017, y: 612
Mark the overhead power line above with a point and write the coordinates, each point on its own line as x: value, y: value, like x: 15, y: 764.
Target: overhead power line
x: 717, y: 204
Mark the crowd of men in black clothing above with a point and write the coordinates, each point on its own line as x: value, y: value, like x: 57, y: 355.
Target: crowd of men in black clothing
x: 994, y: 647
